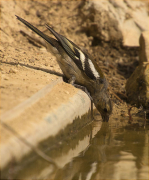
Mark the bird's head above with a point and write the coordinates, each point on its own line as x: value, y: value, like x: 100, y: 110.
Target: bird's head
x: 103, y: 104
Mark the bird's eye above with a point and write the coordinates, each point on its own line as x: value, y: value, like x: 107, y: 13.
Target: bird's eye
x: 105, y: 109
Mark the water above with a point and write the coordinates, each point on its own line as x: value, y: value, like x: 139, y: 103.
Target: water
x: 114, y: 150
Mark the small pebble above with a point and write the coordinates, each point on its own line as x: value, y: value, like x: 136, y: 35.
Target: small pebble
x: 66, y: 92
x: 31, y: 60
x: 124, y: 115
x: 12, y: 70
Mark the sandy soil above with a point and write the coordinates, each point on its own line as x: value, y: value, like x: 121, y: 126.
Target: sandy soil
x: 26, y: 66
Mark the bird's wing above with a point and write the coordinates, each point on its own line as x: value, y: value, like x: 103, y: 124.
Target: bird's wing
x: 81, y: 59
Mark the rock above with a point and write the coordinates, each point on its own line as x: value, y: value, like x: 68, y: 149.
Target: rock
x: 109, y: 20
x: 12, y: 70
x: 144, y: 47
x: 137, y: 86
x: 46, y: 64
x: 130, y: 33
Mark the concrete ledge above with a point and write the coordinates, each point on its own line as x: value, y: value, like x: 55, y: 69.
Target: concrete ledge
x: 16, y: 111
x: 37, y: 128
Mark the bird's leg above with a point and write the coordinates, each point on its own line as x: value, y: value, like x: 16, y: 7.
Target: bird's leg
x: 92, y: 113
x: 72, y: 81
x: 86, y: 91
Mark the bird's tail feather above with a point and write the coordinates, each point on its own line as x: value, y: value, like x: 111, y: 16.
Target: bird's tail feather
x: 44, y: 36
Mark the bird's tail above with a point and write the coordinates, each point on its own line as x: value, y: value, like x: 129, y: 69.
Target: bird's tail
x: 44, y: 36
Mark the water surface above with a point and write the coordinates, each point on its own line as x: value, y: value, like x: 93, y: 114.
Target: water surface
x: 113, y: 150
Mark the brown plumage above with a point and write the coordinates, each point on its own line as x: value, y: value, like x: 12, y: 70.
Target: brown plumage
x: 79, y: 68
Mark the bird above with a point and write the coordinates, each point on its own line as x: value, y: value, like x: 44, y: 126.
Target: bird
x: 79, y: 68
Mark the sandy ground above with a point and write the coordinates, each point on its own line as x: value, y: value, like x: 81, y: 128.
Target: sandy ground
x: 20, y: 81
x: 26, y: 66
